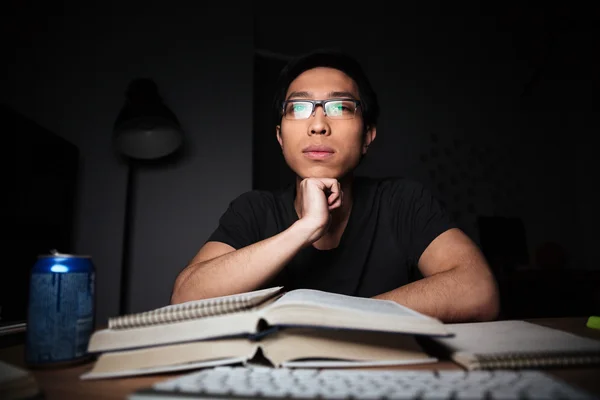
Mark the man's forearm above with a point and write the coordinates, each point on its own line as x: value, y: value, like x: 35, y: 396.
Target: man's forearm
x: 456, y: 295
x: 242, y: 270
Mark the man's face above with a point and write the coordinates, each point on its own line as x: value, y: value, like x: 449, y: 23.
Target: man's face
x: 322, y: 146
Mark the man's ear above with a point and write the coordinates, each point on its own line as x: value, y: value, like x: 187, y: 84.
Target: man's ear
x: 278, y: 130
x: 368, y: 138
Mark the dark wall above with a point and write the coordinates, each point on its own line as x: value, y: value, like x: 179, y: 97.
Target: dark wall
x: 269, y: 170
x: 70, y: 65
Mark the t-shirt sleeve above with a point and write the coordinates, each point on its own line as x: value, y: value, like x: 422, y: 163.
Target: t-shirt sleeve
x: 239, y: 225
x: 423, y: 218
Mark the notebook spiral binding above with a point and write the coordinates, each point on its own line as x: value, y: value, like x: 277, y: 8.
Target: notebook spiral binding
x: 533, y: 360
x: 181, y: 312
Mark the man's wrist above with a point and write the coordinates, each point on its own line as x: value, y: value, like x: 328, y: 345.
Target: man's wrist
x: 306, y: 230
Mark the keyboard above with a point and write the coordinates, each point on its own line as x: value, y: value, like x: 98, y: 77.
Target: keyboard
x: 238, y: 382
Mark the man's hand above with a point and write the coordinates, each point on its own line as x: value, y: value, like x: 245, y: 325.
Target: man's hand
x: 317, y: 197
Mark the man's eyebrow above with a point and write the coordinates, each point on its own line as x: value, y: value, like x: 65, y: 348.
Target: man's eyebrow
x: 342, y: 94
x: 308, y: 95
x: 304, y: 95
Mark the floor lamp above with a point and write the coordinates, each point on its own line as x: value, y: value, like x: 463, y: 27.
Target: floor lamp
x: 145, y: 131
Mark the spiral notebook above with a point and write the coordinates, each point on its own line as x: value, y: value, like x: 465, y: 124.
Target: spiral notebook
x: 516, y: 344
x: 195, y: 309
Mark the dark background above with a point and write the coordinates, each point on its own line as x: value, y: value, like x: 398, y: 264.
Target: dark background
x: 494, y: 108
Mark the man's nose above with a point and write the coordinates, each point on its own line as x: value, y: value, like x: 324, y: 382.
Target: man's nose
x: 318, y: 124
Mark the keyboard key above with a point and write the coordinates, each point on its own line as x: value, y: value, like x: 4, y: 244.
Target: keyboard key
x: 437, y: 394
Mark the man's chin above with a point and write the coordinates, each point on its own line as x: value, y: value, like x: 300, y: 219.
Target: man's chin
x: 324, y: 170
x: 322, y: 173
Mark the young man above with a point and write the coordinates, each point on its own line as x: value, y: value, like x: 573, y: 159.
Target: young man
x: 332, y: 231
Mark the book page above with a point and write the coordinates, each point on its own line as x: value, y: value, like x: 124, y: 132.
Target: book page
x: 329, y: 347
x: 240, y: 323
x: 332, y: 300
x: 163, y: 369
x: 172, y: 358
x: 318, y: 309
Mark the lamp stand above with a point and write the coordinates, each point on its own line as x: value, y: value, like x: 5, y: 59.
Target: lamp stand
x: 127, y: 235
x: 145, y: 130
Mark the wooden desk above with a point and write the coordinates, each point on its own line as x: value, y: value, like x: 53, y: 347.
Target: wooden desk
x: 64, y: 383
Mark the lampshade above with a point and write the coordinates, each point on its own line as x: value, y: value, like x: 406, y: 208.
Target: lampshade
x: 146, y: 128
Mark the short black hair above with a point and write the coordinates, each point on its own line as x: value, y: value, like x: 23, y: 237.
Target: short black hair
x: 333, y: 59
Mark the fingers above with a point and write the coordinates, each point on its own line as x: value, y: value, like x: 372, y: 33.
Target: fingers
x: 335, y: 200
x: 333, y: 185
x: 334, y: 193
x: 331, y: 188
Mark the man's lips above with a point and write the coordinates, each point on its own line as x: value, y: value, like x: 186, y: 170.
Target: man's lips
x: 317, y: 149
x: 318, y: 154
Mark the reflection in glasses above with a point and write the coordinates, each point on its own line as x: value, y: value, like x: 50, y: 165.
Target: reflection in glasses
x: 333, y: 108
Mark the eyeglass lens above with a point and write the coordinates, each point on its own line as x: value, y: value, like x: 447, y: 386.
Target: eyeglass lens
x: 335, y: 109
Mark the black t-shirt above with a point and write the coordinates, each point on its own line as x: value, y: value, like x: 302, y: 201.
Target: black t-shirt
x: 391, y: 223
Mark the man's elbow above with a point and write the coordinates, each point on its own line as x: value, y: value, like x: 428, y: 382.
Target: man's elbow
x: 183, y: 293
x: 177, y: 295
x: 188, y: 285
x: 488, y: 308
x: 181, y: 288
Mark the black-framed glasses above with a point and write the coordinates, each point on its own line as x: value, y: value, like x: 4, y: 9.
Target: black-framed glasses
x: 332, y: 108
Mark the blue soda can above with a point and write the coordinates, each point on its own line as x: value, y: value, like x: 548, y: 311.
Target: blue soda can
x: 60, y: 318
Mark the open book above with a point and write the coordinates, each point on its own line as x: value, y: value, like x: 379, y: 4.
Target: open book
x: 292, y: 348
x: 286, y: 327
x: 298, y: 308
